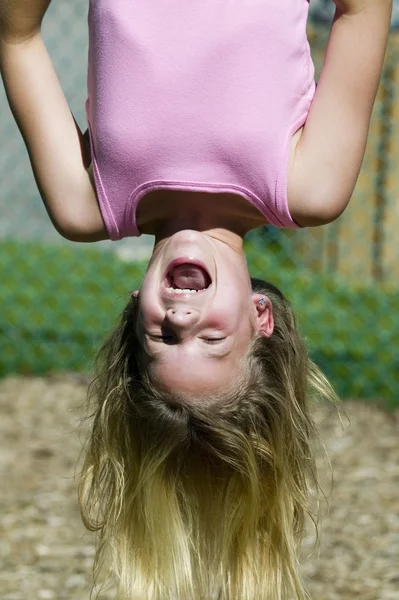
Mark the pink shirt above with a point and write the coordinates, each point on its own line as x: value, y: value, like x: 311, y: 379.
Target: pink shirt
x: 199, y: 95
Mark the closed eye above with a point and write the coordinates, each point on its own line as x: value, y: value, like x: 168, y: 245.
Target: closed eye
x: 213, y: 340
x: 170, y: 339
x: 166, y: 339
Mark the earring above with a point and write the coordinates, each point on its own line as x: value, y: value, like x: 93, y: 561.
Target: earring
x: 262, y: 301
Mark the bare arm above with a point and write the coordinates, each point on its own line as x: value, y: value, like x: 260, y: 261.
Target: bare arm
x: 326, y: 161
x: 53, y: 140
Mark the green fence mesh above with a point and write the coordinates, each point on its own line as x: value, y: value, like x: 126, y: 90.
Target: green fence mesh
x: 58, y: 299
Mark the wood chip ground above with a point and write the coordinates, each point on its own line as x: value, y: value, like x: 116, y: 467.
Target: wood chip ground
x: 45, y: 552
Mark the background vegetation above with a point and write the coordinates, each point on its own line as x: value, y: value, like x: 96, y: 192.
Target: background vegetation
x: 55, y: 314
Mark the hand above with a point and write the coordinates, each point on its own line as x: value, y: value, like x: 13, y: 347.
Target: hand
x: 21, y: 19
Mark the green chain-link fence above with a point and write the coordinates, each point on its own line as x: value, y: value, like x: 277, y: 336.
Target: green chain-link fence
x: 58, y: 299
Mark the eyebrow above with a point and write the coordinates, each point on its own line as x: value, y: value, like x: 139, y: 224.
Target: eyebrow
x: 219, y: 355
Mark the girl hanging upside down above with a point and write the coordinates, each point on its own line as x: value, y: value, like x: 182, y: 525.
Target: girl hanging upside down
x: 204, y: 122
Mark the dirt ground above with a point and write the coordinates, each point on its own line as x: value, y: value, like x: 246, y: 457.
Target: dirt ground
x: 45, y: 553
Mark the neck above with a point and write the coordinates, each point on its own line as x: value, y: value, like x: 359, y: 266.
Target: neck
x: 227, y: 217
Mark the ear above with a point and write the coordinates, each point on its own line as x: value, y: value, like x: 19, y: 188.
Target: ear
x: 135, y: 294
x: 264, y: 314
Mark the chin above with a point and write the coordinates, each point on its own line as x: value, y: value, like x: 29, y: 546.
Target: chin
x: 188, y: 236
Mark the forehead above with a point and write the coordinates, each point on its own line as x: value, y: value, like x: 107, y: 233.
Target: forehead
x: 195, y: 373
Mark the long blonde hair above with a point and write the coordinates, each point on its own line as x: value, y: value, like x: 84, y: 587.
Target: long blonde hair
x: 197, y: 500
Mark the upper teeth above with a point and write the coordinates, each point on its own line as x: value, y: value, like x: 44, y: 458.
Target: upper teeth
x: 183, y: 291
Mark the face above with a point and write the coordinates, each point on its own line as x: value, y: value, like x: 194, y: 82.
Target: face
x: 197, y: 314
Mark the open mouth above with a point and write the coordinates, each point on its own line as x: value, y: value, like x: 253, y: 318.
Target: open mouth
x: 186, y: 278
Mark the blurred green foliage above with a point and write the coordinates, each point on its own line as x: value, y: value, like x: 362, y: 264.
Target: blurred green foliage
x: 58, y: 303
x: 352, y: 329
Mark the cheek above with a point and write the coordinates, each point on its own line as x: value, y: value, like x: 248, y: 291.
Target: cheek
x: 149, y: 286
x: 149, y: 313
x: 230, y: 314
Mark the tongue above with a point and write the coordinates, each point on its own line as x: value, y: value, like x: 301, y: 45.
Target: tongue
x: 190, y: 277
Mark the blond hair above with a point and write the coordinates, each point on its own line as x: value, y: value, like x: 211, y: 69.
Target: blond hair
x: 203, y: 501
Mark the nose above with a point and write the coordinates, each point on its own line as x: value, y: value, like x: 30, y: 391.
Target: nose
x: 181, y: 319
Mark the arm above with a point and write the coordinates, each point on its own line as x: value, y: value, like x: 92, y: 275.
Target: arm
x: 328, y: 153
x: 53, y: 140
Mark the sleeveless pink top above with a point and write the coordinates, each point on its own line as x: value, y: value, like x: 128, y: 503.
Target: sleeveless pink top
x: 198, y: 95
